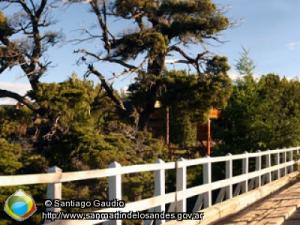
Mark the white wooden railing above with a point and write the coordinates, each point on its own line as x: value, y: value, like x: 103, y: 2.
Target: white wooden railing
x: 269, y: 165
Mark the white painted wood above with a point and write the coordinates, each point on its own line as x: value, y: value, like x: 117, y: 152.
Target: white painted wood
x: 54, y: 190
x: 11, y: 180
x: 223, y: 183
x: 268, y: 164
x: 28, y: 179
x: 285, y: 171
x: 159, y: 188
x: 140, y: 205
x: 246, y: 199
x: 56, y: 177
x: 180, y: 186
x: 277, y: 162
x: 93, y: 174
x: 194, y: 162
x: 245, y: 170
x: 288, y: 156
x: 297, y: 157
x: 215, y: 214
x: 294, y: 157
x: 291, y: 157
x: 150, y: 202
x: 207, y: 180
x: 228, y: 176
x: 258, y: 168
x: 115, y: 189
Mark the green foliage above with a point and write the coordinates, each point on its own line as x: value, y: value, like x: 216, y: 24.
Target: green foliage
x: 198, y: 19
x: 261, y: 115
x: 187, y: 92
x: 14, y: 123
x: 80, y: 129
x: 133, y: 44
x: 182, y: 129
x: 85, y: 148
x: 162, y: 21
x: 33, y: 162
x: 188, y: 96
x: 11, y: 163
x: 217, y: 65
x: 76, y: 126
x: 69, y: 100
x: 158, y: 29
x: 10, y: 155
x: 8, y: 53
x: 89, y: 134
x: 245, y: 64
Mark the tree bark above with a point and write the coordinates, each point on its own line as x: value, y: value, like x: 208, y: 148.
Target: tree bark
x: 17, y: 97
x: 109, y: 91
x: 155, y: 68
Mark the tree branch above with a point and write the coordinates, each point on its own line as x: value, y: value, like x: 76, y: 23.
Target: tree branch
x: 40, y: 10
x: 189, y: 60
x: 17, y: 97
x: 25, y: 7
x: 102, y: 20
x: 109, y: 90
x: 29, y: 60
x: 107, y: 59
x: 182, y: 53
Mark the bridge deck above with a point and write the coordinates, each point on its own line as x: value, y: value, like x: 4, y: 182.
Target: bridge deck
x: 280, y: 208
x: 294, y: 219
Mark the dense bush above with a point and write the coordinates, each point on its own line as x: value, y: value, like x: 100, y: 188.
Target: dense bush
x: 261, y: 114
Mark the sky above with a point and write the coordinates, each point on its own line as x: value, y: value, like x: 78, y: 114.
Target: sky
x: 269, y: 29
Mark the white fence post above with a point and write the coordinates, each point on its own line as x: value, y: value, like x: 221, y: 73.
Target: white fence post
x: 258, y: 168
x: 297, y: 159
x: 180, y: 186
x: 291, y: 158
x: 288, y: 158
x: 54, y: 190
x: 277, y: 162
x: 115, y: 188
x: 159, y: 189
x: 268, y: 164
x: 245, y: 170
x: 207, y: 180
x: 284, y: 161
x: 228, y: 171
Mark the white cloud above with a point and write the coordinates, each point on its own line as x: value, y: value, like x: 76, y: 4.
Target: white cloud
x: 292, y: 45
x: 233, y: 75
x: 20, y: 88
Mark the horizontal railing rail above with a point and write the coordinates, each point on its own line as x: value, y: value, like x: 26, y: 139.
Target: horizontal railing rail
x: 58, y: 177
x: 269, y: 165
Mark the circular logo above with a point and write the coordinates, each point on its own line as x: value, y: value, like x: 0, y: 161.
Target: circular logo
x: 20, y: 206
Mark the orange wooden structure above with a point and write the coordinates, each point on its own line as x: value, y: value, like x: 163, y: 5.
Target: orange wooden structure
x: 204, y: 130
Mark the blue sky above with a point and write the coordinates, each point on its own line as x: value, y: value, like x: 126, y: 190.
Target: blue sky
x: 268, y: 28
